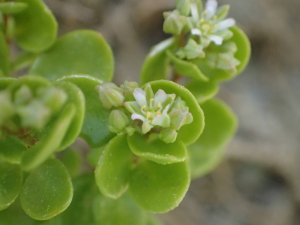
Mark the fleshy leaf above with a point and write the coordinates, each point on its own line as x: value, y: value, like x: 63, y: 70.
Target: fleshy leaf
x: 23, y: 60
x: 157, y: 64
x: 12, y: 7
x: 5, y: 82
x: 114, y: 167
x: 78, y: 52
x: 188, y: 133
x: 220, y: 126
x: 95, y: 126
x: 50, y: 141
x: 12, y: 149
x: 185, y: 68
x: 10, y: 183
x: 94, y: 155
x: 36, y: 27
x: 4, y: 55
x: 47, y: 191
x: 152, y: 220
x: 76, y: 98
x: 159, y: 188
x: 120, y: 211
x: 203, y: 91
x: 71, y: 158
x: 157, y: 150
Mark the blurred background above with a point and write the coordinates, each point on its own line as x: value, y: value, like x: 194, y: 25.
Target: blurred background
x: 258, y: 182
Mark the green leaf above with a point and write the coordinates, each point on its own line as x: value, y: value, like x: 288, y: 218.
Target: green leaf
x: 186, y: 68
x: 36, y: 27
x: 157, y: 150
x: 5, y: 82
x: 188, y: 133
x: 50, y: 141
x: 95, y: 126
x: 4, y: 55
x: 80, y: 212
x: 23, y: 60
x: 12, y: 149
x: 12, y: 7
x: 203, y: 91
x: 159, y: 188
x: 153, y: 220
x: 157, y: 64
x: 244, y: 48
x: 76, y: 98
x: 47, y: 191
x: 78, y: 52
x: 94, y: 155
x: 220, y: 127
x: 114, y: 167
x: 122, y: 211
x: 71, y: 158
x: 10, y: 183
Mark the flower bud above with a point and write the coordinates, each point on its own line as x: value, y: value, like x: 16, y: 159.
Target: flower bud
x: 118, y: 121
x: 180, y: 117
x: 193, y: 50
x: 52, y: 97
x: 184, y: 7
x: 129, y: 88
x: 6, y: 106
x: 168, y: 135
x: 23, y: 95
x: 172, y: 24
x: 111, y: 95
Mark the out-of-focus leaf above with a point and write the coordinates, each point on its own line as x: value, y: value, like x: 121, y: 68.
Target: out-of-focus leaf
x: 188, y: 133
x: 95, y: 127
x: 47, y: 191
x: 203, y: 91
x: 12, y: 149
x: 114, y: 167
x: 78, y: 52
x: 71, y: 158
x: 5, y: 82
x: 123, y: 211
x: 159, y: 188
x: 153, y: 220
x: 10, y: 183
x: 4, y: 55
x: 36, y: 27
x: 94, y: 156
x: 12, y: 7
x: 185, y: 68
x: 157, y: 64
x: 157, y: 150
x: 23, y: 60
x: 220, y: 126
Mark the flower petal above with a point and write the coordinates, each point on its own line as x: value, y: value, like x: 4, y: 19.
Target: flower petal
x: 162, y: 120
x: 132, y: 107
x: 140, y: 96
x: 225, y: 24
x: 136, y: 116
x: 216, y: 39
x: 160, y: 97
x: 210, y: 8
x: 194, y: 12
x: 196, y: 31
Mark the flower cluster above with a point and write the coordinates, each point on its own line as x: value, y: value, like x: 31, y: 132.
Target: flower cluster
x: 137, y: 109
x: 27, y: 109
x: 196, y: 29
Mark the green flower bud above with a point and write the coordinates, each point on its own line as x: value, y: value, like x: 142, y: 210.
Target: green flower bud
x: 52, y: 97
x: 111, y: 95
x: 118, y: 121
x: 193, y: 50
x: 180, y: 114
x: 184, y: 7
x: 226, y: 61
x: 23, y: 95
x: 172, y: 24
x: 34, y: 115
x: 168, y: 135
x: 6, y: 109
x: 129, y: 88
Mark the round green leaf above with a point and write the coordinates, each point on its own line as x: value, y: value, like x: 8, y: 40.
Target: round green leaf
x: 47, y: 191
x: 114, y: 167
x: 157, y: 150
x: 220, y: 127
x: 203, y: 91
x: 76, y: 98
x: 95, y: 126
x: 244, y: 48
x: 152, y: 220
x: 121, y: 211
x: 71, y: 158
x: 10, y: 183
x: 36, y: 27
x: 159, y: 188
x: 4, y: 55
x: 12, y: 7
x: 78, y: 52
x: 157, y: 64
x: 50, y: 139
x: 23, y: 60
x: 12, y: 149
x: 32, y: 82
x: 185, y: 68
x: 188, y: 133
x: 94, y: 155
